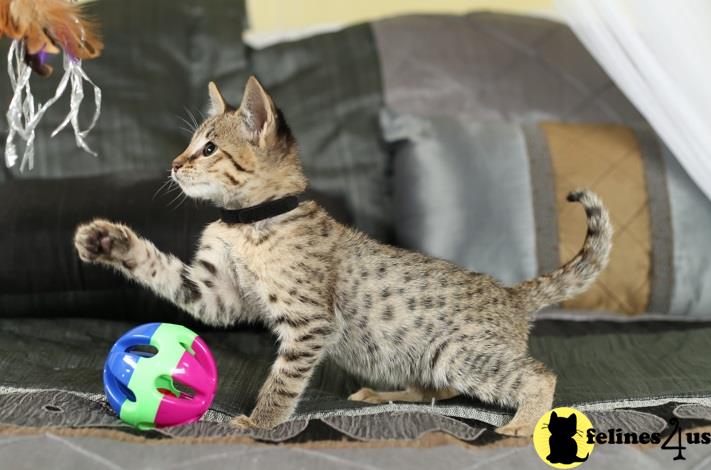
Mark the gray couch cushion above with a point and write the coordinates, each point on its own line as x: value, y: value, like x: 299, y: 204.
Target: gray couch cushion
x: 691, y: 228
x: 495, y: 66
x: 482, y: 194
x: 462, y: 192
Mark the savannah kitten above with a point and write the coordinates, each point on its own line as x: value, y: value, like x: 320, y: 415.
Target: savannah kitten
x: 386, y: 314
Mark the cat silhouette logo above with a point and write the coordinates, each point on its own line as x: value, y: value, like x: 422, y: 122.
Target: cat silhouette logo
x: 559, y: 438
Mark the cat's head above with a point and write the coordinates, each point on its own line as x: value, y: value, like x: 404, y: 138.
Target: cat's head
x: 561, y: 426
x: 242, y: 156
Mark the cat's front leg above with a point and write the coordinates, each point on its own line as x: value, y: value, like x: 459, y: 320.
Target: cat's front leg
x: 303, y: 344
x: 119, y: 247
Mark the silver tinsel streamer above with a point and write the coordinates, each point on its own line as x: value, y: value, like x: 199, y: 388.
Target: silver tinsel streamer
x: 77, y: 76
x: 24, y: 115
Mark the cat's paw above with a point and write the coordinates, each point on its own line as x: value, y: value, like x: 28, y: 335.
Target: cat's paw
x: 516, y: 429
x: 243, y: 423
x: 104, y: 241
x: 367, y: 395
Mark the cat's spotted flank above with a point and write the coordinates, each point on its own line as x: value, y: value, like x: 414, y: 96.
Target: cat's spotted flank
x: 420, y: 324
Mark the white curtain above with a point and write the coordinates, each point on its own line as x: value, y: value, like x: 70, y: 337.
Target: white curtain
x: 659, y: 53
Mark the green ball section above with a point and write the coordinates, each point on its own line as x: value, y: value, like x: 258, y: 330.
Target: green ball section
x: 152, y: 373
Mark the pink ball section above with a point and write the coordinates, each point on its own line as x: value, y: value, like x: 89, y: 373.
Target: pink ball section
x: 199, y: 372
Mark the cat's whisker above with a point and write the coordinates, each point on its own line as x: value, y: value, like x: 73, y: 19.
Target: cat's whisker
x: 190, y: 125
x: 165, y: 185
x: 180, y: 203
x: 184, y: 121
x: 180, y: 198
x: 169, y: 185
x: 175, y: 198
x: 172, y: 191
x: 192, y: 118
x: 173, y: 187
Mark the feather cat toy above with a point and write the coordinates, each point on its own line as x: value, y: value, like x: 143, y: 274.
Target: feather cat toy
x: 38, y: 28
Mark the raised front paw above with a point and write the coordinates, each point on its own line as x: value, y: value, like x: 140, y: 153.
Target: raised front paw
x: 104, y: 241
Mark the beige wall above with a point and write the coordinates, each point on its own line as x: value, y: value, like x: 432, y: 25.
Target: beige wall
x: 269, y: 16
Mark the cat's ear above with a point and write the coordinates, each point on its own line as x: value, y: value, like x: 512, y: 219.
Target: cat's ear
x: 218, y: 105
x: 574, y: 418
x: 554, y: 415
x: 259, y: 114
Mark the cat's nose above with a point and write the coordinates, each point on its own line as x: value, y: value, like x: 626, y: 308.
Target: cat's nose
x: 178, y: 163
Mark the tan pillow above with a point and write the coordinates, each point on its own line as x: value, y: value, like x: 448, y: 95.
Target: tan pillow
x: 607, y: 159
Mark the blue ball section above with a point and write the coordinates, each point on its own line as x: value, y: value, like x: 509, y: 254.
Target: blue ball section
x: 121, y: 363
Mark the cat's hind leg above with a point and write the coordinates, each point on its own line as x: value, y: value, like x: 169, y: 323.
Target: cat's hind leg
x: 523, y: 383
x: 412, y: 393
x: 535, y: 398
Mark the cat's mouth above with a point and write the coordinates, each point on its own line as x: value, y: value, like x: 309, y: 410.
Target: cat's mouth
x: 191, y: 188
x: 174, y: 175
x: 182, y: 181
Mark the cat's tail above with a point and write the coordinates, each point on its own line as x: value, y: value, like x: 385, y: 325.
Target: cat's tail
x: 580, y: 272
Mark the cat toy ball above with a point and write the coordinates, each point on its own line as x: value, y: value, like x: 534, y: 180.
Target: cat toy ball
x: 142, y: 370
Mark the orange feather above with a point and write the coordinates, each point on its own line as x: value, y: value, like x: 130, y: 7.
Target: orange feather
x: 50, y: 25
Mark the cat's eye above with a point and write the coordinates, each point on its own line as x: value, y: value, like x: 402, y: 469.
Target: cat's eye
x: 209, y: 149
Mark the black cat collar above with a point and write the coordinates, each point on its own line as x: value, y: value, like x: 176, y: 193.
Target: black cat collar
x: 262, y: 211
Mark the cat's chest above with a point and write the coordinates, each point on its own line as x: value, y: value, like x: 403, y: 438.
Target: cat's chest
x: 255, y: 258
